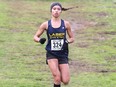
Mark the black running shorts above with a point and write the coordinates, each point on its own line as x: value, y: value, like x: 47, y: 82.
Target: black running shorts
x: 60, y: 60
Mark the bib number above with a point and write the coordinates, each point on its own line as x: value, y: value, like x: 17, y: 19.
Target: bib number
x: 57, y: 44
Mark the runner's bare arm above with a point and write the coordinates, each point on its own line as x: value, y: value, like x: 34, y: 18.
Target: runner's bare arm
x: 69, y: 32
x: 40, y: 31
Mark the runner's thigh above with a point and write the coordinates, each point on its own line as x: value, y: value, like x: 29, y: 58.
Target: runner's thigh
x: 53, y: 65
x: 65, y: 73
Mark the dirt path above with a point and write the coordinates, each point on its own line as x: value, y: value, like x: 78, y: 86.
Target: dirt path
x: 78, y: 25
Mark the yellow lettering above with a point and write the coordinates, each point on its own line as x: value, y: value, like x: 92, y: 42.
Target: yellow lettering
x: 57, y: 35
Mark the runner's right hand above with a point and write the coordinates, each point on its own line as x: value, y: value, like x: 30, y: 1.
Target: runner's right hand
x: 42, y: 40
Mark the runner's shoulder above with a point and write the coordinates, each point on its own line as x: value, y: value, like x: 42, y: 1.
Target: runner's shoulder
x: 67, y: 23
x: 45, y: 25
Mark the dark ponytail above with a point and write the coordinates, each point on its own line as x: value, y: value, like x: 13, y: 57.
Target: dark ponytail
x: 65, y: 9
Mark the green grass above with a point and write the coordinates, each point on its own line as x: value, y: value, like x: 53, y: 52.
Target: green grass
x: 92, y: 55
x: 94, y: 80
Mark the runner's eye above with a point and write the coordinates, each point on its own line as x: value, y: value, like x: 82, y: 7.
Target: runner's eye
x: 54, y: 8
x: 59, y: 9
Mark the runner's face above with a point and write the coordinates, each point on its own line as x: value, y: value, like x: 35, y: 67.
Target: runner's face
x: 56, y: 10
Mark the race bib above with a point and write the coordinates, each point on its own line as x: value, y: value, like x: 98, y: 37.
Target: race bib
x: 57, y: 44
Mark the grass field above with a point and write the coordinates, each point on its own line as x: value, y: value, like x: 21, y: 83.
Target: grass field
x: 92, y: 57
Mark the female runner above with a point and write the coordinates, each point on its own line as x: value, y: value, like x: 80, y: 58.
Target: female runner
x: 57, y: 45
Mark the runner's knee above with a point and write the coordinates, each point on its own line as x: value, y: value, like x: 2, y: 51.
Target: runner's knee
x: 57, y: 77
x: 65, y: 81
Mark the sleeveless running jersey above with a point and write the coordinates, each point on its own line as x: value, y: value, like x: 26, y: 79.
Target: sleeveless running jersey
x: 56, y: 44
